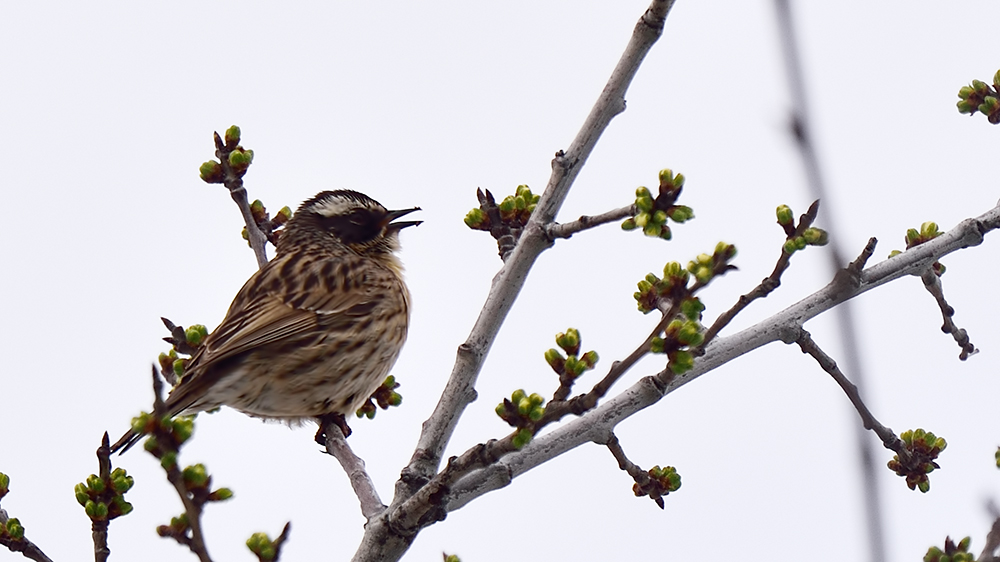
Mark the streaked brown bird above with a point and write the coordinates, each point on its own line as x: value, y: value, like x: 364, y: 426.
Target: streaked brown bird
x: 316, y: 330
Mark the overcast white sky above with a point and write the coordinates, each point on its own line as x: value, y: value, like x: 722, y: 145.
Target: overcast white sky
x: 107, y: 112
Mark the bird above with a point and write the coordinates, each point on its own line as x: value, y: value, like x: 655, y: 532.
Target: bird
x: 317, y: 329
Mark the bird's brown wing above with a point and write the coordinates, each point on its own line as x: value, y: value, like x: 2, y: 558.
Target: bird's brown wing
x: 295, y: 312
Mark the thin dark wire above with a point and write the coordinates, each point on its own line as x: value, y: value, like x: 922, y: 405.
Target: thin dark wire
x: 844, y: 313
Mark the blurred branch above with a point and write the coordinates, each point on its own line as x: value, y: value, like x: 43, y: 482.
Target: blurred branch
x: 384, y: 542
x: 785, y: 326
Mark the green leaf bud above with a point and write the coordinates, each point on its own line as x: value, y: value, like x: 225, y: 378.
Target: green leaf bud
x: 789, y: 247
x: 673, y: 327
x: 211, y: 172
x: 681, y: 363
x: 964, y: 106
x: 555, y: 359
x: 169, y: 458
x: 518, y: 395
x: 641, y: 220
x: 692, y: 308
x: 475, y: 219
x: 121, y: 506
x: 80, y: 490
x: 179, y: 367
x: 800, y: 243
x: 665, y: 232
x: 815, y: 236
x: 536, y: 413
x: 965, y: 91
x: 521, y: 438
x: 642, y: 192
x: 15, y: 529
x: 981, y: 88
x: 924, y: 486
x: 912, y: 236
x: 660, y: 217
x: 690, y: 334
x: 680, y: 213
x: 590, y: 359
x: 673, y: 269
x: 929, y: 230
x: 524, y: 406
x: 222, y: 494
x: 656, y: 346
x: 95, y: 483
x: 679, y: 180
x: 507, y: 205
x: 785, y: 215
x: 196, y: 475
x: 996, y: 80
x: 232, y: 136
x: 569, y: 341
x: 725, y: 251
x: 666, y: 175
x: 644, y: 204
x: 652, y: 230
x: 193, y: 336
x: 629, y: 224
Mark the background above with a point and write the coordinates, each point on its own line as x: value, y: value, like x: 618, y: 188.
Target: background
x: 108, y: 109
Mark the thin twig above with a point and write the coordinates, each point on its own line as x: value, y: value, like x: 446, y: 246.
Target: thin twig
x: 565, y: 230
x: 280, y: 541
x: 769, y: 284
x: 234, y: 183
x: 99, y: 527
x: 933, y: 285
x: 27, y: 548
x: 888, y: 437
x: 354, y: 466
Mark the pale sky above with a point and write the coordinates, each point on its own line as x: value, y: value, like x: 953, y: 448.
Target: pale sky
x: 108, y: 109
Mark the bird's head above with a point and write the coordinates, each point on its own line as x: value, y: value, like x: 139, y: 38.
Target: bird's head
x: 348, y: 218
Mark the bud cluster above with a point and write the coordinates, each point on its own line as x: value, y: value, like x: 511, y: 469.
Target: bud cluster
x: 270, y: 227
x: 232, y: 156
x: 166, y: 435
x: 673, y: 287
x: 521, y: 411
x: 385, y: 396
x: 514, y: 211
x: 928, y: 231
x: 952, y: 552
x: 262, y: 546
x: 11, y: 532
x: 981, y: 97
x: 662, y: 481
x: 798, y: 241
x: 923, y: 447
x: 573, y: 364
x: 104, y: 499
x: 651, y: 213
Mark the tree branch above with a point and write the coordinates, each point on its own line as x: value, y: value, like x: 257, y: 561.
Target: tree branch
x: 27, y: 548
x: 596, y: 425
x: 932, y: 282
x: 565, y: 230
x: 354, y: 466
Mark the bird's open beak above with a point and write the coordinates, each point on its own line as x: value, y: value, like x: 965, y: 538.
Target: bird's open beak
x: 393, y: 215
